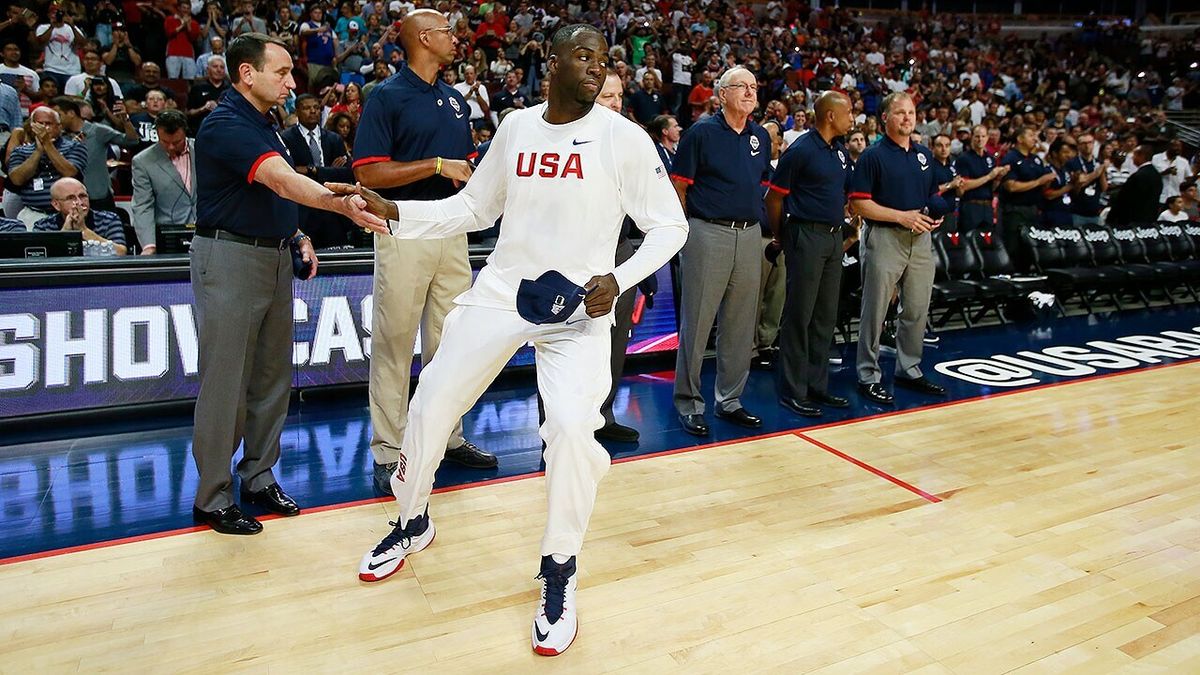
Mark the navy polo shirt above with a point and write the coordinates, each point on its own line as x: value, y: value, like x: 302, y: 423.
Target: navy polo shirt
x: 233, y: 141
x: 406, y: 120
x: 1057, y: 211
x: 814, y: 177
x: 1086, y: 201
x: 725, y: 170
x: 972, y: 165
x: 942, y: 174
x: 894, y: 177
x: 1024, y: 168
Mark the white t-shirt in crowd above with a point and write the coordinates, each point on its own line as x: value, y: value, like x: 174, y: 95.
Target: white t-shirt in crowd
x: 1170, y: 183
x: 681, y: 69
x: 476, y: 109
x: 77, y: 84
x: 60, y: 50
x: 1167, y: 217
x: 32, y: 82
x: 564, y: 190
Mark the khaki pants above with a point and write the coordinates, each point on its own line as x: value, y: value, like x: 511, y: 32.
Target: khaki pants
x: 416, y: 282
x: 771, y: 293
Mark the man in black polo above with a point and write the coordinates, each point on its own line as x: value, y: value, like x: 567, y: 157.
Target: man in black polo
x: 1021, y: 189
x: 414, y: 142
x: 810, y: 186
x: 892, y: 189
x: 719, y: 170
x: 241, y: 270
x: 979, y: 172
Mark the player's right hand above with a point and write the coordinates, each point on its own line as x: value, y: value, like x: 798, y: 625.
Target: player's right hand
x: 458, y: 170
x: 365, y: 207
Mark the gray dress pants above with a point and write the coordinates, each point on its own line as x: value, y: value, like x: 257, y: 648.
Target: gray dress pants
x: 244, y: 325
x: 891, y: 257
x: 720, y: 272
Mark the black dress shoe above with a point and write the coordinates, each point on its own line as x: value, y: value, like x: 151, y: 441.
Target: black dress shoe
x: 824, y: 398
x: 382, y: 478
x: 805, y: 408
x: 921, y: 385
x: 764, y: 360
x: 273, y: 499
x: 617, y: 432
x: 229, y: 520
x: 741, y: 418
x: 471, y: 456
x: 876, y: 393
x: 694, y: 424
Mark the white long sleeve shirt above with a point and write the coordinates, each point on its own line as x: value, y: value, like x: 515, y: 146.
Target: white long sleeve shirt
x: 564, y: 190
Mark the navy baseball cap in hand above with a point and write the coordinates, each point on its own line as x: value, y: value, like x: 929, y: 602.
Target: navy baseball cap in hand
x: 550, y: 298
x: 938, y: 207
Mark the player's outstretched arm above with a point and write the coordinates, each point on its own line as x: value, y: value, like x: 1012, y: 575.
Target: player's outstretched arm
x: 649, y: 198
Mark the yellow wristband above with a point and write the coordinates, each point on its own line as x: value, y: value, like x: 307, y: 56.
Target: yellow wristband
x: 437, y: 169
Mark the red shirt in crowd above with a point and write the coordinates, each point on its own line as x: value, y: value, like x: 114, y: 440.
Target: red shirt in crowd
x: 181, y: 39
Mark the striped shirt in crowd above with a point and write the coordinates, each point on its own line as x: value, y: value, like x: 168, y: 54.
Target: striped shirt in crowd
x: 36, y: 192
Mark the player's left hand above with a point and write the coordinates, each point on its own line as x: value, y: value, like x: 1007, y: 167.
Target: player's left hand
x: 601, y: 292
x: 374, y: 208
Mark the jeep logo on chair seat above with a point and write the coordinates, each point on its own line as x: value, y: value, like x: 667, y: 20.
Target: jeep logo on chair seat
x: 1042, y: 235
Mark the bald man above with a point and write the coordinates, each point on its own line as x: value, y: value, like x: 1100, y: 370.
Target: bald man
x: 414, y: 143
x: 103, y: 233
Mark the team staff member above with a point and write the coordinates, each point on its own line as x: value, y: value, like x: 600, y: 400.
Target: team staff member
x: 719, y: 171
x: 810, y: 185
x: 1021, y: 189
x: 1091, y: 182
x: 979, y: 172
x: 241, y: 273
x: 948, y: 180
x: 891, y: 185
x: 413, y: 143
x: 1056, y: 197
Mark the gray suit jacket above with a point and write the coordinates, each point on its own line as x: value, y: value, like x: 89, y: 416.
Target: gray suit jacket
x: 159, y: 195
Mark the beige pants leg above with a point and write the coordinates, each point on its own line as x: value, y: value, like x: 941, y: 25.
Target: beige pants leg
x: 415, y: 284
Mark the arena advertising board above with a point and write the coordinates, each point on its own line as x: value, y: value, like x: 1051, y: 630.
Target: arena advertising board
x: 74, y: 348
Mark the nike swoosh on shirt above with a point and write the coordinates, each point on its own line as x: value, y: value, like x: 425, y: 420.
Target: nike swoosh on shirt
x: 579, y: 142
x: 458, y: 116
x: 754, y: 153
x: 373, y: 566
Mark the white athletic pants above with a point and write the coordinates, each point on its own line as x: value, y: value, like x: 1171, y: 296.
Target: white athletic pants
x: 573, y: 377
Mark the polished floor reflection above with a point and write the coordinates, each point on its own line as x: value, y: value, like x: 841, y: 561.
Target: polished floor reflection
x: 113, y: 482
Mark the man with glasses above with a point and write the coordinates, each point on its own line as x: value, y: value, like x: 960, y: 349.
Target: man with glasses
x: 719, y: 170
x: 414, y: 143
x: 36, y: 166
x: 103, y: 234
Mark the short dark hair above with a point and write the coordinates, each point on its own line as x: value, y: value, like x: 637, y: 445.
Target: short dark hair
x: 249, y: 48
x: 937, y: 136
x: 567, y: 34
x: 658, y: 126
x: 1187, y: 185
x: 170, y: 121
x: 305, y: 97
x: 65, y: 104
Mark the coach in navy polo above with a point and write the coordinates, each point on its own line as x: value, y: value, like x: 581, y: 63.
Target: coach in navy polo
x: 414, y: 142
x: 810, y: 186
x: 979, y: 171
x: 1021, y: 189
x: 241, y: 273
x: 719, y: 172
x: 946, y: 177
x: 890, y: 188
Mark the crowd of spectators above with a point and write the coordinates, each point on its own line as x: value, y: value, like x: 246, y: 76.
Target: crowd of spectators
x: 109, y: 69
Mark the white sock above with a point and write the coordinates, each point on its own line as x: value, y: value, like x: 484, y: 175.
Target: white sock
x: 559, y: 558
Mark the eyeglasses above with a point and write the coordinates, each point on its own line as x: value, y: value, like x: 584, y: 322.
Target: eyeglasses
x: 444, y: 29
x: 750, y: 88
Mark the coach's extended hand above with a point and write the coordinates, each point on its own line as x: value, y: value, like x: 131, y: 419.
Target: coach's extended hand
x: 601, y: 292
x: 376, y: 205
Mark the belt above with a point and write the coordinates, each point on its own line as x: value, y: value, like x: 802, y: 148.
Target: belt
x: 733, y: 224
x: 226, y: 235
x: 817, y: 224
x: 984, y: 202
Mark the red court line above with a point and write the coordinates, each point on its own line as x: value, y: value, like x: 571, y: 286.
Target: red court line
x: 801, y: 432
x: 878, y: 472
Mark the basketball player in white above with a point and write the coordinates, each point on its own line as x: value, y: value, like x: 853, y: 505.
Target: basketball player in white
x: 563, y: 174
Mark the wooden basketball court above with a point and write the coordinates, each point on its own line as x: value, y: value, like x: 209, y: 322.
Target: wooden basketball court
x: 1052, y: 530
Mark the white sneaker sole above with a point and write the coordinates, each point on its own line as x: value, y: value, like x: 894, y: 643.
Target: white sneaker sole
x: 550, y: 651
x: 370, y: 576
